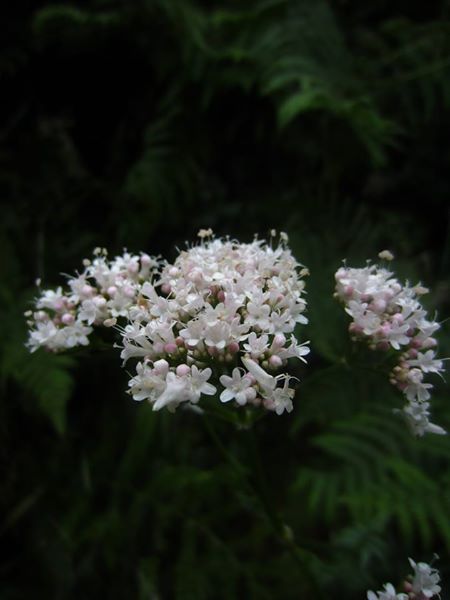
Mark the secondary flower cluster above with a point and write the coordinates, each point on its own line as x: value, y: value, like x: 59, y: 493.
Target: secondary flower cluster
x: 388, y: 315
x: 420, y: 586
x: 222, y: 322
x: 102, y: 292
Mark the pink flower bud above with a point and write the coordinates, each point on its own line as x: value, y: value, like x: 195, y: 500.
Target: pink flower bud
x: 221, y: 296
x: 250, y: 393
x: 112, y: 290
x: 379, y: 305
x: 416, y: 343
x: 275, y: 361
x: 385, y: 330
x: 161, y: 366
x: 170, y: 348
x: 67, y: 319
x: 183, y: 370
x: 398, y: 318
x: 179, y: 342
x: 145, y: 260
x: 165, y: 288
x: 128, y: 291
x: 99, y: 301
x: 279, y: 340
x: 110, y: 322
x: 348, y: 290
x: 173, y: 271
x: 383, y: 346
x: 59, y: 304
x: 233, y: 347
x: 87, y: 290
x: 429, y: 343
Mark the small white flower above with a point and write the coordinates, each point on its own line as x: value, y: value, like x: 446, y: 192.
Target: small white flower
x: 199, y: 384
x: 388, y: 593
x: 238, y: 387
x: 425, y: 580
x: 416, y: 415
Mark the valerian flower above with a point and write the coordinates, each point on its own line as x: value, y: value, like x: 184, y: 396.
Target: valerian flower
x: 389, y: 316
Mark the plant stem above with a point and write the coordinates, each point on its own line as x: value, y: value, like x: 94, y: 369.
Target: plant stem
x: 256, y: 482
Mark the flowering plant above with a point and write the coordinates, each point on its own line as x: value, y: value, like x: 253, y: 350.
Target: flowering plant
x: 389, y: 317
x: 423, y: 584
x: 223, y: 321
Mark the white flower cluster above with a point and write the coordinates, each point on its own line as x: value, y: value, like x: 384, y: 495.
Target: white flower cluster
x: 423, y: 584
x: 104, y: 291
x: 223, y: 321
x: 388, y: 315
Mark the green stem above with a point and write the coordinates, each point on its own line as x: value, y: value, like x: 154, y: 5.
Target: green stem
x: 258, y: 485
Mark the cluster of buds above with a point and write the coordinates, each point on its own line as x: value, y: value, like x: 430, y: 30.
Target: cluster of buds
x: 422, y: 585
x: 222, y: 322
x: 388, y: 316
x: 98, y: 296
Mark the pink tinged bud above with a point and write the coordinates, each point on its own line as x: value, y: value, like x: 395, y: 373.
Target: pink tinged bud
x: 212, y: 350
x: 59, y: 305
x: 365, y: 297
x: 173, y: 272
x: 233, y: 347
x: 429, y: 343
x: 87, y: 290
x: 354, y: 328
x: 196, y: 276
x: 183, y: 370
x: 145, y: 260
x: 170, y: 348
x: 67, y: 319
x: 133, y: 267
x: 412, y: 353
x: 128, y: 291
x: 275, y: 361
x: 221, y: 296
x: 385, y: 329
x: 161, y: 366
x: 165, y: 288
x: 40, y: 315
x: 179, y: 342
x: 398, y: 318
x: 112, y: 290
x: 110, y: 322
x: 401, y: 385
x: 416, y: 343
x: 407, y: 586
x: 250, y: 378
x: 99, y: 301
x: 411, y: 331
x: 250, y: 393
x: 348, y: 290
x: 379, y: 305
x: 383, y: 346
x: 279, y: 340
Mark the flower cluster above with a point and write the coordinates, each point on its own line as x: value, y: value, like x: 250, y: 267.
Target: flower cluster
x: 102, y: 292
x: 388, y: 316
x: 423, y: 584
x: 222, y: 320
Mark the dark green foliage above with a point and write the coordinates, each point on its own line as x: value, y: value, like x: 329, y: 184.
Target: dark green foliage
x: 136, y: 123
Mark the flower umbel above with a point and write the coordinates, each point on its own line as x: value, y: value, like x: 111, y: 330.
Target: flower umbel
x: 226, y: 308
x: 388, y: 316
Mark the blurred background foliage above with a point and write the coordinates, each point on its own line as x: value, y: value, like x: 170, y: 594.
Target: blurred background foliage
x: 133, y: 124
